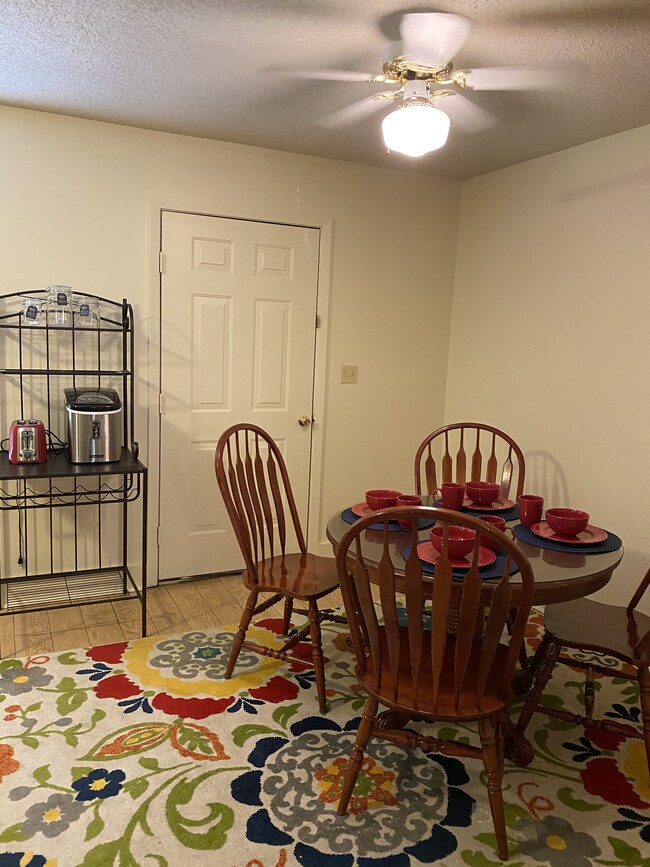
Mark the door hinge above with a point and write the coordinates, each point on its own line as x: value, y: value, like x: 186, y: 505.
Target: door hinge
x: 318, y: 321
x: 162, y: 404
x: 158, y: 537
x: 161, y: 262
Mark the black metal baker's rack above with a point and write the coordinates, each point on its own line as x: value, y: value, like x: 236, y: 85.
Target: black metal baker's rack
x: 31, y: 386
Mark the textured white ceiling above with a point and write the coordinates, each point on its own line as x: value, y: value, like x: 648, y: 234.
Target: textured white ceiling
x: 205, y: 68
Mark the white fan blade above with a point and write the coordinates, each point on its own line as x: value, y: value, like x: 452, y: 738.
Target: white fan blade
x: 355, y: 111
x: 514, y: 78
x: 433, y: 38
x: 463, y: 112
x: 336, y: 75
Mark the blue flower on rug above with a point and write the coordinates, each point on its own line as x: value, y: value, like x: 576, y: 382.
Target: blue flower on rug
x: 23, y: 859
x: 99, y: 783
x: 403, y: 808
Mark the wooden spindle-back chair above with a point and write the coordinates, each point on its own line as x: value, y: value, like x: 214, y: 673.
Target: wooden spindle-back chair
x: 595, y: 628
x: 422, y: 669
x: 254, y: 483
x: 469, y: 451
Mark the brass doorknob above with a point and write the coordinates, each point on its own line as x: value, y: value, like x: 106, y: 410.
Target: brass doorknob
x: 304, y: 421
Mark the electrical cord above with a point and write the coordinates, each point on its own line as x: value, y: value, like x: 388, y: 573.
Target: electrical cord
x: 55, y: 443
x: 21, y: 538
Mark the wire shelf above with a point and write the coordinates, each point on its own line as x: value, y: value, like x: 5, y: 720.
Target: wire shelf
x: 65, y: 590
x: 37, y: 361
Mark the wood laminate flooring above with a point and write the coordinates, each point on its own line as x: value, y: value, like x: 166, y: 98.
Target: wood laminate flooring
x: 172, y: 607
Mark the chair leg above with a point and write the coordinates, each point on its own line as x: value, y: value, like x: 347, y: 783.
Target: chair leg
x: 240, y: 635
x: 546, y: 667
x: 644, y: 688
x: 317, y: 654
x: 288, y: 611
x: 490, y: 736
x: 356, y: 759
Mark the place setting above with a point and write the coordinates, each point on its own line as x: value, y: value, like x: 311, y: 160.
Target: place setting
x: 475, y: 498
x: 460, y: 546
x: 561, y: 529
x: 384, y: 498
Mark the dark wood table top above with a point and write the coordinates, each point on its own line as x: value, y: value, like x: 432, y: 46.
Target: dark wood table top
x: 559, y: 576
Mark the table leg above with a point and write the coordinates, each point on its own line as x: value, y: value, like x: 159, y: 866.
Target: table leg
x: 517, y: 747
x: 521, y: 681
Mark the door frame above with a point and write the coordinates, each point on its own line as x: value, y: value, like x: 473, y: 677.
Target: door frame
x: 153, y: 339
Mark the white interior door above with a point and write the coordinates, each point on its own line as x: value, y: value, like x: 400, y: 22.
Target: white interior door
x: 238, y: 312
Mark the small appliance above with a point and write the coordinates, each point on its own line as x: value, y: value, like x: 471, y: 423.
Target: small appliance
x: 27, y: 444
x: 94, y: 425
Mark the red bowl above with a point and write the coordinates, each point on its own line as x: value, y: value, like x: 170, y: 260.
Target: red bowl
x: 381, y: 499
x: 460, y: 542
x: 567, y: 522
x: 482, y: 493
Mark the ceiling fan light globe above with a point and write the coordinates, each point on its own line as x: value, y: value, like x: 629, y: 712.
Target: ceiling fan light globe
x: 415, y: 129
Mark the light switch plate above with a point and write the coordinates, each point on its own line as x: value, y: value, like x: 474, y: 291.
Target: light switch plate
x: 349, y: 373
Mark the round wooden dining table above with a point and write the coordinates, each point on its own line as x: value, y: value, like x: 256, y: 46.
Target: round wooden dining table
x: 559, y: 577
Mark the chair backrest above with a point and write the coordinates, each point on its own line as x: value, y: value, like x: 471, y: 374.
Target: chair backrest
x: 255, y: 487
x: 469, y: 451
x: 478, y: 610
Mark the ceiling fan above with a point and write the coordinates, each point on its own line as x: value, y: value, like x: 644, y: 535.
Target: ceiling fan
x: 419, y: 68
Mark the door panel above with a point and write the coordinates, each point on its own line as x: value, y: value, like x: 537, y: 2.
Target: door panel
x: 237, y: 345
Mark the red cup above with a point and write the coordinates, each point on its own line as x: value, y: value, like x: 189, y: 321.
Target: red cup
x: 452, y: 495
x: 498, y: 523
x: 408, y: 500
x: 531, y: 507
x: 460, y: 540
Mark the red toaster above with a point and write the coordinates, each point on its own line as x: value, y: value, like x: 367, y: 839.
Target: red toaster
x: 27, y: 444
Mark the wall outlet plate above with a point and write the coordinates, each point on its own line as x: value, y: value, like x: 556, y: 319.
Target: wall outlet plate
x: 349, y: 373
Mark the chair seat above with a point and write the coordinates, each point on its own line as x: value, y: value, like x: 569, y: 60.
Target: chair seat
x: 592, y: 625
x: 302, y: 576
x: 494, y: 698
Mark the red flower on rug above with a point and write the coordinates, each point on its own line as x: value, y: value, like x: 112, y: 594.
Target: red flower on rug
x: 118, y: 686
x: 603, y: 776
x: 8, y: 765
x: 108, y: 652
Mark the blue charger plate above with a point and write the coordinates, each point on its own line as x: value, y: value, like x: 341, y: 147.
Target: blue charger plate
x: 350, y: 518
x: 611, y: 543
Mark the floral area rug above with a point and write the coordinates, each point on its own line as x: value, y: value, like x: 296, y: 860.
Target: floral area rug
x: 140, y: 754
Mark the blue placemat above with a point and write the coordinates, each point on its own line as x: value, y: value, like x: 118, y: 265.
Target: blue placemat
x: 611, y: 543
x: 350, y: 518
x: 494, y: 570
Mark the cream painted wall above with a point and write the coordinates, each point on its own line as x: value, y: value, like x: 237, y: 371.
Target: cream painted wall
x: 75, y: 206
x: 549, y: 335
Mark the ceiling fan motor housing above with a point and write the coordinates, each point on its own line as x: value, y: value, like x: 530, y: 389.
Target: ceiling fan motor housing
x: 416, y: 90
